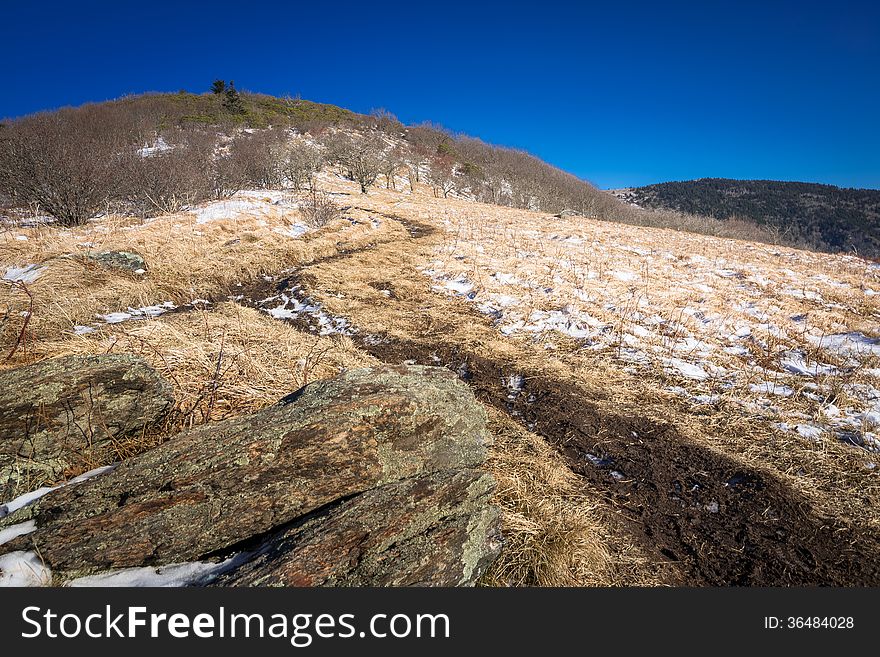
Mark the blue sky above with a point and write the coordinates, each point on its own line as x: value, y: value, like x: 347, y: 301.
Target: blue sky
x: 618, y: 93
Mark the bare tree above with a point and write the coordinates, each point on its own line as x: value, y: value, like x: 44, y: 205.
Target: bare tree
x: 261, y: 157
x: 226, y: 175
x: 392, y: 161
x: 442, y: 174
x: 66, y: 161
x: 359, y: 155
x: 386, y: 122
x: 301, y: 163
x: 168, y: 179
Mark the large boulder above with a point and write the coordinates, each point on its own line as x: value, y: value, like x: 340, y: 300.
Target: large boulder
x: 55, y: 413
x: 370, y: 478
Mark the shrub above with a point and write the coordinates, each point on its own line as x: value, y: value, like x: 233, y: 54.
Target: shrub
x: 167, y: 180
x: 359, y: 155
x: 319, y: 210
x: 300, y: 164
x: 260, y: 156
x: 66, y: 161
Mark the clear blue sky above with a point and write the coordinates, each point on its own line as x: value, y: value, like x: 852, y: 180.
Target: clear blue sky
x: 619, y: 93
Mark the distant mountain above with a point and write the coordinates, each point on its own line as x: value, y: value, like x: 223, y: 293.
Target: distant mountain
x: 823, y: 217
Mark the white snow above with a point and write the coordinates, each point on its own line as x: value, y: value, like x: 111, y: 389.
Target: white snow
x: 27, y: 274
x: 291, y: 307
x: 686, y: 369
x: 771, y: 388
x: 849, y: 344
x: 460, y: 286
x: 226, y: 209
x: 809, y: 431
x: 15, y: 531
x: 506, y: 279
x: 159, y: 146
x: 293, y: 230
x: 23, y: 569
x: 145, y: 312
x: 796, y: 363
x: 172, y: 575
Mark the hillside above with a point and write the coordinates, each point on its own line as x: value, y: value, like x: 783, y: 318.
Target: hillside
x: 664, y: 407
x: 102, y: 147
x: 822, y: 217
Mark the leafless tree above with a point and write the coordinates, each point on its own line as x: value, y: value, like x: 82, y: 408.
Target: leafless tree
x: 386, y: 122
x: 300, y: 164
x: 360, y: 155
x: 442, y: 174
x: 261, y: 156
x: 168, y: 179
x: 392, y: 161
x: 66, y: 161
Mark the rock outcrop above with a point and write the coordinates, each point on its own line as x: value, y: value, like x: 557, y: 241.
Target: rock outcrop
x: 122, y: 260
x: 370, y: 478
x: 54, y: 411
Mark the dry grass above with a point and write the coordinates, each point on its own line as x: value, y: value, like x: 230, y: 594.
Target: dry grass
x: 186, y: 260
x: 556, y: 533
x: 221, y: 362
x: 673, y: 271
x: 224, y: 359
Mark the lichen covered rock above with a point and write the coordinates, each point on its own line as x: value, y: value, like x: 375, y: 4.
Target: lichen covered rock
x: 370, y: 478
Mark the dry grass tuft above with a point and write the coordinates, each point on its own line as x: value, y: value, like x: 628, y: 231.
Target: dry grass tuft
x: 556, y: 533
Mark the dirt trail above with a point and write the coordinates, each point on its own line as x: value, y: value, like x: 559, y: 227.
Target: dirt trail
x: 719, y: 521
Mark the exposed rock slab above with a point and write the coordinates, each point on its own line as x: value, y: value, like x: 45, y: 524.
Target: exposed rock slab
x: 54, y: 411
x: 369, y: 478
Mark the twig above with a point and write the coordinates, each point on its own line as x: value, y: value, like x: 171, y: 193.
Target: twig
x: 215, y: 381
x: 27, y: 319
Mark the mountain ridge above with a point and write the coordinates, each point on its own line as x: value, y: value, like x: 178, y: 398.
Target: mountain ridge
x: 827, y: 217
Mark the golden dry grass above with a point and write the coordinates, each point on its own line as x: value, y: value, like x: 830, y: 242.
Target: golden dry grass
x: 186, y: 261
x: 558, y: 530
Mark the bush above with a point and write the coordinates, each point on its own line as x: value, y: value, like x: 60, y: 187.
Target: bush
x: 167, y: 180
x: 66, y: 161
x: 300, y: 164
x: 319, y: 210
x: 361, y: 155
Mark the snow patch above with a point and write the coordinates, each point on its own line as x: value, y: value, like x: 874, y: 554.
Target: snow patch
x: 21, y: 529
x: 33, y: 496
x: 197, y: 573
x: 27, y: 274
x: 23, y: 569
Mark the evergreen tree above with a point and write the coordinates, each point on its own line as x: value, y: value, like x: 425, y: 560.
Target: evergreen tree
x: 233, y: 103
x: 218, y: 87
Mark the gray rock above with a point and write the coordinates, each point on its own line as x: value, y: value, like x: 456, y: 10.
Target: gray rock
x: 123, y: 260
x: 370, y: 478
x: 60, y: 412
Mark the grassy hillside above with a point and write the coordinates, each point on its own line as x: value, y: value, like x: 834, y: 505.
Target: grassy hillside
x: 826, y: 217
x: 154, y: 153
x: 666, y: 408
x: 101, y: 146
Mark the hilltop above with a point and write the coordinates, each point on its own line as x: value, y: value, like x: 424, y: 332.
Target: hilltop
x: 821, y: 217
